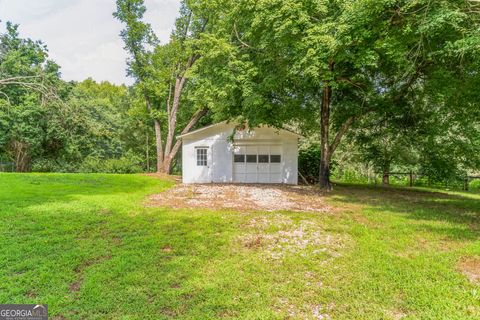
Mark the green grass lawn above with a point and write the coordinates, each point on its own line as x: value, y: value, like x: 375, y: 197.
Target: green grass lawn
x: 88, y: 247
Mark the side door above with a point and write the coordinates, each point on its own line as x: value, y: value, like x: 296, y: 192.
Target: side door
x: 203, y: 163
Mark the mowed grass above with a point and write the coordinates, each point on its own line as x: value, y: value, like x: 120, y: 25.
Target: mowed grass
x: 89, y: 247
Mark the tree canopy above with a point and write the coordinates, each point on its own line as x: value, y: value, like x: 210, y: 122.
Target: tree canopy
x: 394, y: 80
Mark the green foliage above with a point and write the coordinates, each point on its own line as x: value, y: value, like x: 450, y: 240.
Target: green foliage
x: 475, y: 185
x: 128, y: 163
x: 49, y: 125
x: 405, y: 71
x: 93, y: 122
x: 351, y: 176
x: 137, y: 36
x: 48, y: 165
x: 27, y: 79
x: 308, y: 160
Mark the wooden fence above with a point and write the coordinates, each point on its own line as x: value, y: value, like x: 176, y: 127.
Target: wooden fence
x: 412, y: 175
x: 7, y: 167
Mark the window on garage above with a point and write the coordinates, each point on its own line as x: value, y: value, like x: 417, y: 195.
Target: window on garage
x: 263, y: 158
x: 253, y: 158
x: 239, y: 158
x: 275, y: 158
x: 202, y: 157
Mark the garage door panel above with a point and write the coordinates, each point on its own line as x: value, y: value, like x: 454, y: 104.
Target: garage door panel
x: 263, y: 168
x: 251, y: 178
x: 275, y: 168
x: 239, y: 177
x: 239, y: 168
x: 275, y: 178
x: 257, y: 166
x: 263, y: 178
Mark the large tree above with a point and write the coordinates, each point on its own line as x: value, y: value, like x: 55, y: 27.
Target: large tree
x: 28, y: 82
x: 285, y: 60
x: 163, y: 71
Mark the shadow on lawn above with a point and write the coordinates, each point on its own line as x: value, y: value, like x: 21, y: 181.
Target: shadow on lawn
x: 456, y: 209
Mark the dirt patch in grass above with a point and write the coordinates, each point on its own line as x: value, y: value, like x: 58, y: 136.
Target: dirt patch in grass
x: 79, y: 271
x: 168, y: 312
x: 277, y: 236
x: 242, y: 197
x: 167, y: 249
x: 470, y: 268
x: 292, y: 310
x: 397, y: 314
x: 227, y: 314
x: 165, y: 177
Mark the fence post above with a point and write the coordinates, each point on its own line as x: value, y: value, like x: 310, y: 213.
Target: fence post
x: 411, y: 179
x: 465, y: 184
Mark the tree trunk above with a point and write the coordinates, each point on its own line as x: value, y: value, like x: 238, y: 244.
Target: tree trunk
x: 158, y: 142
x: 172, y: 114
x: 325, y: 175
x: 386, y: 175
x: 324, y: 137
x: 328, y: 150
x: 158, y: 138
x: 168, y: 160
x: 22, y: 159
x: 148, y: 152
x: 171, y: 150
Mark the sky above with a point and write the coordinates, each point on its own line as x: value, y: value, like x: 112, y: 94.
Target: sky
x: 81, y: 35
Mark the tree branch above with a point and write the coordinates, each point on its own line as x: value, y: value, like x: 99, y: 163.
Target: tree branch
x: 6, y: 96
x: 238, y: 36
x: 358, y: 85
x: 193, y: 121
x: 344, y: 128
x: 40, y: 87
x: 15, y: 80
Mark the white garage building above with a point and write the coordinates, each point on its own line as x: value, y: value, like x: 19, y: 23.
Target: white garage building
x: 262, y: 155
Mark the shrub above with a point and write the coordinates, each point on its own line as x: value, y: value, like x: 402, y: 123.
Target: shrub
x: 91, y: 165
x: 352, y: 176
x: 50, y: 165
x: 43, y: 165
x: 124, y: 165
x: 308, y: 162
x: 128, y: 163
x: 474, y: 185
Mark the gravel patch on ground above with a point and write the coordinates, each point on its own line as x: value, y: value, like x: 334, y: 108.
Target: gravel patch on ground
x: 304, y: 238
x: 242, y: 197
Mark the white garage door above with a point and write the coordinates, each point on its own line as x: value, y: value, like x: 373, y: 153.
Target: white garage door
x: 257, y: 164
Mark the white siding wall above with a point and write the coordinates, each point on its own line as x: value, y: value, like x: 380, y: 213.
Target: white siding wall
x: 220, y: 151
x: 290, y: 159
